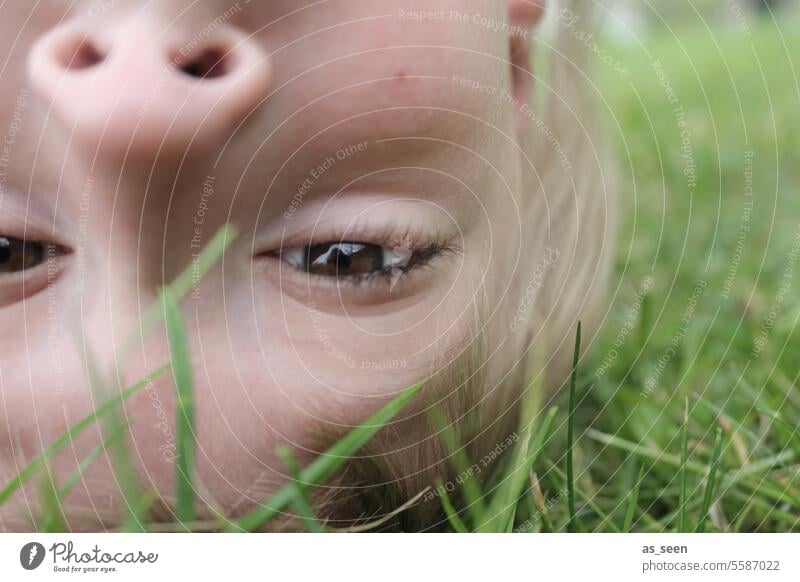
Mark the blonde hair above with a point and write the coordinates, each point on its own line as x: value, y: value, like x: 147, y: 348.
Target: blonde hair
x: 570, y: 210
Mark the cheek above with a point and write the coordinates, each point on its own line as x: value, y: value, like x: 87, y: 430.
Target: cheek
x: 266, y: 372
x: 45, y: 391
x: 283, y: 370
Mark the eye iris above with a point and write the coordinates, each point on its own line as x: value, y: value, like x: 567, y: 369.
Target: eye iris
x: 18, y: 255
x: 341, y: 259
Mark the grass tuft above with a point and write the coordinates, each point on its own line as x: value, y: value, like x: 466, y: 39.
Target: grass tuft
x: 327, y: 463
x: 185, y: 466
x: 72, y: 433
x: 299, y: 498
x: 711, y: 479
x: 633, y: 501
x: 682, y: 519
x: 574, y: 524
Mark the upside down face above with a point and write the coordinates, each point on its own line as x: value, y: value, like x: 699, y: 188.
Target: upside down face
x: 375, y: 187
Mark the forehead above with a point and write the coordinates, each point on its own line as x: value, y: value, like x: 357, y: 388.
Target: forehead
x: 317, y: 46
x: 396, y: 74
x: 467, y: 20
x: 385, y: 72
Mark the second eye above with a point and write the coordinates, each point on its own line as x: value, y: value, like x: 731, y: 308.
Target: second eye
x: 346, y: 259
x: 18, y: 255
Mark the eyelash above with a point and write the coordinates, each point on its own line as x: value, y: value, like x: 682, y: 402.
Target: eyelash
x: 420, y: 259
x: 425, y: 250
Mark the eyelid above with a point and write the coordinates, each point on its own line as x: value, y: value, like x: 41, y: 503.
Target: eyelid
x: 22, y: 285
x: 365, y: 217
x: 27, y: 218
x: 395, y: 236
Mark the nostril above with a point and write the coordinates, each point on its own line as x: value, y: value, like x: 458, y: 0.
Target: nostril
x: 210, y: 63
x: 80, y: 54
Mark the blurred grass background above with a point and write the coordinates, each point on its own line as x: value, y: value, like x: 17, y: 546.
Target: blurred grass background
x: 705, y: 306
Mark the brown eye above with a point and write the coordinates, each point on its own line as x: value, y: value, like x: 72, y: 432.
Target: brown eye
x: 18, y: 255
x: 343, y: 259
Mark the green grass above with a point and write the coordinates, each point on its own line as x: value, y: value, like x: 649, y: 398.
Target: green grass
x: 66, y: 439
x: 574, y: 524
x: 633, y: 501
x: 739, y: 94
x: 326, y: 464
x: 707, y: 442
x: 184, y: 408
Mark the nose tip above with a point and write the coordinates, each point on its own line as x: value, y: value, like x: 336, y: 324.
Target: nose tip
x: 128, y: 94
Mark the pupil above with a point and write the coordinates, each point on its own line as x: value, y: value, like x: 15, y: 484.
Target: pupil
x: 341, y: 259
x: 5, y: 250
x: 18, y: 255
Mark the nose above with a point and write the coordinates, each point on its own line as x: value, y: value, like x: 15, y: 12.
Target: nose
x: 145, y: 90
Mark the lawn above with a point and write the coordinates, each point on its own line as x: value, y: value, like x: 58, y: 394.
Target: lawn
x: 705, y: 304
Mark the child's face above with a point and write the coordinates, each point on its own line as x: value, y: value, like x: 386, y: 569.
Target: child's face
x: 376, y: 189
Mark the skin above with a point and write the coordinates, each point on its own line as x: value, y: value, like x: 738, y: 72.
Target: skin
x: 130, y: 167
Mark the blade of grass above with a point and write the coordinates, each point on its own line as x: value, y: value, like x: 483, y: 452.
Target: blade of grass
x: 740, y: 476
x: 121, y: 459
x: 541, y: 508
x: 530, y: 460
x: 54, y: 519
x: 140, y: 509
x: 604, y: 517
x: 299, y: 501
x: 67, y: 437
x: 574, y: 524
x: 323, y: 466
x: 748, y: 506
x: 682, y: 523
x: 532, y: 515
x: 736, y: 478
x: 778, y: 492
x: 458, y: 458
x: 153, y: 316
x: 503, y: 506
x: 642, y: 450
x: 633, y: 501
x: 108, y: 412
x: 506, y: 494
x: 712, y: 474
x: 54, y: 523
x: 786, y: 518
x: 182, y: 284
x: 184, y: 407
x: 791, y: 433
x: 447, y: 504
x: 73, y: 478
